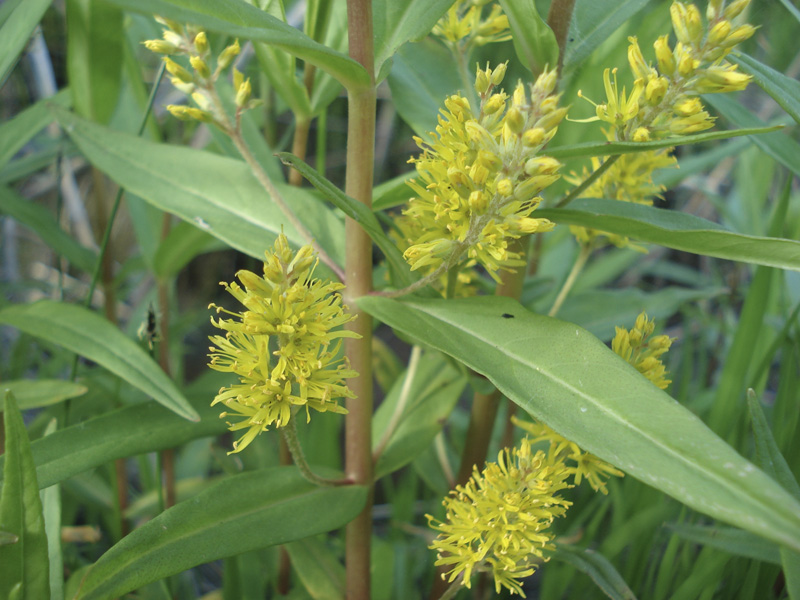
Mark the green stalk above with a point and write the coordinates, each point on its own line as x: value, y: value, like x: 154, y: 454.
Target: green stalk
x: 358, y: 267
x: 558, y: 19
x: 580, y: 262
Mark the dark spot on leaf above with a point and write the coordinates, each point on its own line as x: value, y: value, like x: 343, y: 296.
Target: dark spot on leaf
x: 507, y: 316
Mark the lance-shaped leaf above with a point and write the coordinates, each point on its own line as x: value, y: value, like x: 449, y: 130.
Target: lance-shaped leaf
x: 24, y: 563
x: 358, y: 212
x: 534, y: 41
x: 242, y: 513
x: 217, y: 194
x: 238, y: 18
x: 35, y: 393
x: 120, y: 433
x: 18, y: 18
x: 784, y: 90
x: 611, y: 148
x: 677, y: 230
x: 571, y: 381
x: 81, y: 331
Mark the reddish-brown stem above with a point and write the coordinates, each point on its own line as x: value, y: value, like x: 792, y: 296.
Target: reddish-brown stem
x: 558, y: 19
x: 358, y: 278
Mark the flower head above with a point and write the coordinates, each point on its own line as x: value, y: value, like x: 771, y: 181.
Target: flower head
x: 642, y: 351
x: 465, y: 23
x: 284, y: 346
x: 480, y: 176
x: 584, y: 465
x: 498, y: 522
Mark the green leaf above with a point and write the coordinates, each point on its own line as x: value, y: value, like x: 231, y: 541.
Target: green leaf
x: 791, y: 8
x: 611, y: 148
x: 18, y: 18
x: 534, y: 41
x: 676, y: 230
x: 183, y: 243
x: 768, y: 456
x: 432, y: 393
x: 319, y: 571
x: 81, y: 331
x: 791, y: 572
x: 18, y: 131
x: 51, y: 511
x: 359, y: 213
x: 281, y: 70
x: 24, y: 566
x: 593, y: 22
x: 396, y: 23
x: 124, y: 432
x: 730, y: 540
x: 242, y: 513
x: 594, y: 398
x: 598, y: 567
x: 778, y: 145
x: 600, y: 311
x: 240, y: 19
x: 94, y: 57
x: 30, y: 393
x: 220, y: 195
x: 422, y: 77
x: 784, y: 90
x: 39, y: 219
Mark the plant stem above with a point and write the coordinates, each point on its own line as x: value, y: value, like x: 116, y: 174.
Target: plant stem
x: 588, y: 181
x: 580, y: 262
x: 293, y: 443
x: 558, y: 19
x: 454, y: 588
x: 358, y: 185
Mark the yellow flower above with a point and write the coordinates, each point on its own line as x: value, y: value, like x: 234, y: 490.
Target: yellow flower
x: 284, y: 347
x: 585, y: 465
x: 498, y: 522
x: 464, y: 23
x: 642, y: 351
x: 480, y: 176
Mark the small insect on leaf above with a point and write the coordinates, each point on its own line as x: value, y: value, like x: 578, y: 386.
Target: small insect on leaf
x: 148, y: 330
x: 507, y: 316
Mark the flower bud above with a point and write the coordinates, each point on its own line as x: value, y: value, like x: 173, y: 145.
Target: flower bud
x: 686, y: 64
x: 714, y: 9
x: 639, y: 67
x: 533, y: 137
x: 542, y: 165
x: 551, y: 120
x: 688, y: 107
x: 677, y: 11
x: 546, y: 82
x: 226, y: 56
x: 697, y: 122
x: 666, y: 61
x: 173, y: 25
x: 202, y: 100
x: 498, y: 73
x: 505, y: 187
x: 735, y: 8
x: 243, y: 93
x: 655, y: 90
x: 495, y: 103
x: 549, y: 104
x: 201, y: 43
x: 642, y: 134
x: 721, y: 79
x: 739, y: 35
x: 160, y: 46
x: 200, y: 67
x: 719, y: 33
x: 481, y: 82
x: 178, y: 71
x: 694, y: 24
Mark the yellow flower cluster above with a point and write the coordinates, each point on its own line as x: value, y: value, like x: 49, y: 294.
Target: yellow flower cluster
x: 479, y: 178
x: 498, y: 522
x: 663, y: 100
x: 585, y: 465
x: 282, y: 346
x: 199, y: 81
x: 642, y: 351
x: 464, y: 24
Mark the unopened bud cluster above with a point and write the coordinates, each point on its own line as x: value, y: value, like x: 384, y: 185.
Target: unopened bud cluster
x: 465, y: 25
x: 480, y: 177
x: 642, y: 351
x: 663, y: 100
x: 197, y: 80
